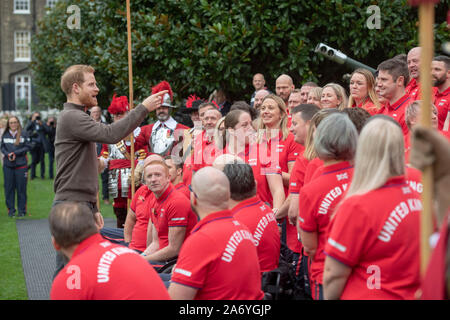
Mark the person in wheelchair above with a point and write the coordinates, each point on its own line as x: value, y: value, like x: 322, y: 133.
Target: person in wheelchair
x: 171, y: 216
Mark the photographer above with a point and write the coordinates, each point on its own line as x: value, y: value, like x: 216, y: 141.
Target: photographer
x: 36, y: 131
x: 14, y: 146
x: 50, y: 130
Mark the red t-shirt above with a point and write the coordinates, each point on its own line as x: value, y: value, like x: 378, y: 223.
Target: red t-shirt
x: 377, y: 235
x: 280, y: 151
x: 297, y: 177
x: 397, y: 111
x: 367, y: 105
x: 261, y: 222
x: 252, y: 156
x: 413, y: 90
x: 187, y: 171
x: 141, y: 204
x: 311, y: 168
x: 316, y: 205
x: 101, y: 270
x: 172, y: 209
x: 181, y: 187
x: 295, y: 184
x: 204, y: 151
x: 220, y: 260
x: 442, y: 103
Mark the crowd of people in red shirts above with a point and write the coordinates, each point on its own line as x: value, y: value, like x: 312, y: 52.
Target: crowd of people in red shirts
x: 325, y: 174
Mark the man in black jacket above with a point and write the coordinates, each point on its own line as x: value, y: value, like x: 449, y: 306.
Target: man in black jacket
x: 36, y: 131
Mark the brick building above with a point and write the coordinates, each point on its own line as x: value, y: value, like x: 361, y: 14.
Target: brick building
x: 18, y: 20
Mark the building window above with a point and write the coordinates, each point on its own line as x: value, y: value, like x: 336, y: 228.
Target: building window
x: 22, y: 6
x: 51, y: 4
x: 23, y: 92
x: 22, y: 46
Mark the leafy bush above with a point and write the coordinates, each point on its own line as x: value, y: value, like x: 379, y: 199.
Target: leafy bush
x: 199, y: 45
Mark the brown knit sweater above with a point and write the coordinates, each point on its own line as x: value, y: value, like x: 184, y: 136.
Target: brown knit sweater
x: 75, y: 150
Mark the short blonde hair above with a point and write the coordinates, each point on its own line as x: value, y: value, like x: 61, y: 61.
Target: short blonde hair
x: 74, y: 74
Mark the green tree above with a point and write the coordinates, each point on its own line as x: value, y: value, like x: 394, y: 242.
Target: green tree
x: 199, y: 45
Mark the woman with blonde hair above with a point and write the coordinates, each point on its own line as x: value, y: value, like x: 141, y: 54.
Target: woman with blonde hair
x: 273, y: 133
x: 362, y: 91
x: 373, y: 245
x: 314, y: 96
x: 275, y: 140
x: 333, y: 96
x: 14, y: 146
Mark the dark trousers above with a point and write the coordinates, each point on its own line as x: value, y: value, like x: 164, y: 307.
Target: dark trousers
x: 15, y: 181
x: 51, y: 161
x: 105, y: 191
x: 37, y: 156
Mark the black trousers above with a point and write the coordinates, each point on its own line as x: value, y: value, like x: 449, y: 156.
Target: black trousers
x: 37, y: 156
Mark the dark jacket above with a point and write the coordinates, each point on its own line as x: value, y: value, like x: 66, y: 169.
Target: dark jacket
x: 37, y: 133
x: 8, y: 146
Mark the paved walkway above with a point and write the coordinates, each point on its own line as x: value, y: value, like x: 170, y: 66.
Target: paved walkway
x: 39, y: 256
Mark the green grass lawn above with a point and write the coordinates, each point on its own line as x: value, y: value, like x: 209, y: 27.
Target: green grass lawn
x: 40, y: 197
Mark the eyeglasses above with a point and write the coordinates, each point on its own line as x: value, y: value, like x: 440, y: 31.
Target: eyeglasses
x: 190, y: 189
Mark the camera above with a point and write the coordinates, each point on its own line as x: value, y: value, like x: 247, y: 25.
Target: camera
x: 52, y: 123
x: 38, y: 118
x: 11, y: 157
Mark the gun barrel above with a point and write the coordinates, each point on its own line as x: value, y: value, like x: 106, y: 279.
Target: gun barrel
x: 341, y: 58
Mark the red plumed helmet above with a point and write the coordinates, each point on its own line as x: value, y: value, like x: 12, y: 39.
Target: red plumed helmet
x: 193, y: 102
x: 168, y: 97
x: 118, y: 105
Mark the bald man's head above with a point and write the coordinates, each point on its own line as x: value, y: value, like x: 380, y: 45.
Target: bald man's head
x: 212, y: 191
x: 226, y: 158
x: 413, y: 60
x: 284, y: 86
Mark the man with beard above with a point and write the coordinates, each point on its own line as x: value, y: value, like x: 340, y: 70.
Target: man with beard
x: 283, y: 87
x: 162, y: 136
x: 76, y: 134
x: 440, y: 73
x: 203, y: 143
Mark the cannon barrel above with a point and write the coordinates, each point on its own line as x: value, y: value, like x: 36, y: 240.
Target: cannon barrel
x: 340, y: 57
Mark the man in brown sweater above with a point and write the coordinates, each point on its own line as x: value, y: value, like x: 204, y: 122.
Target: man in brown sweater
x: 75, y: 149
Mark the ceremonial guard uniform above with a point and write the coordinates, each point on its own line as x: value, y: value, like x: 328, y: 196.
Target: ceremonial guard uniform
x: 118, y: 158
x: 163, y: 135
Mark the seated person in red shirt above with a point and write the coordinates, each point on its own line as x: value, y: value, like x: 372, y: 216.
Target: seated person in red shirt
x: 373, y: 245
x: 335, y: 143
x: 176, y: 175
x: 171, y: 216
x: 98, y: 269
x: 136, y: 224
x: 248, y: 209
x: 219, y: 260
